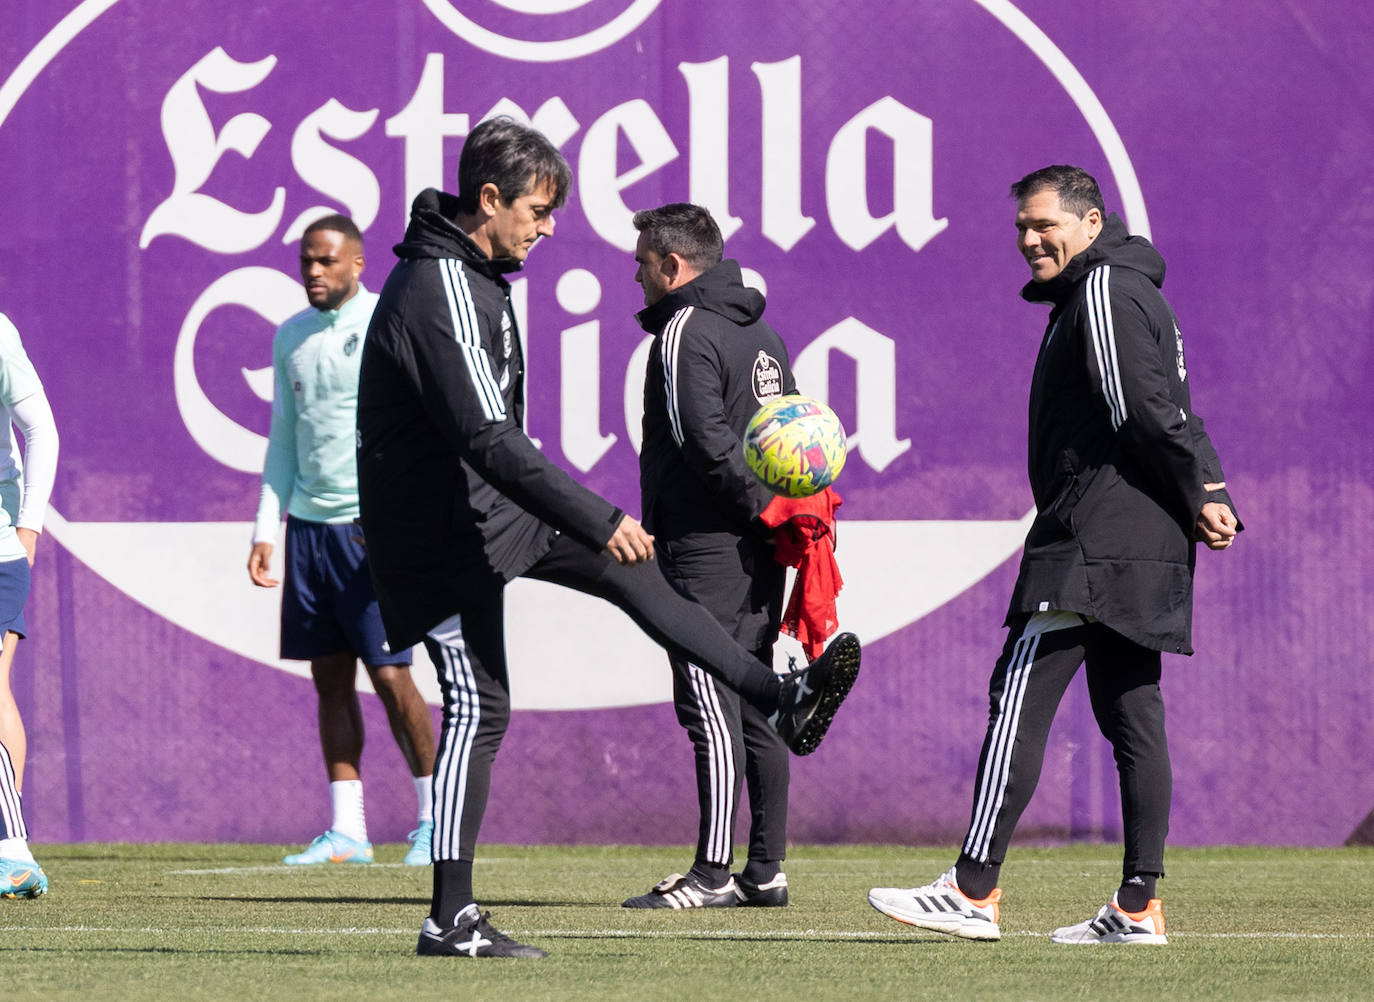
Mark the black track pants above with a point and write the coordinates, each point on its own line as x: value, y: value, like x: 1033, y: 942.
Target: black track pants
x: 1026, y: 687
x: 732, y: 744
x: 468, y: 650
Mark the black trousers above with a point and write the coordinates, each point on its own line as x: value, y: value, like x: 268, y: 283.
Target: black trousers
x: 469, y: 652
x: 732, y: 745
x: 741, y: 584
x: 1026, y: 687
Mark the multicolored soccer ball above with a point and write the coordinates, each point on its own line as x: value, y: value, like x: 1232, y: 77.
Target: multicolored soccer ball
x: 795, y: 446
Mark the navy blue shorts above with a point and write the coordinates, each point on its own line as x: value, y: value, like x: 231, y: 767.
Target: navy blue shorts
x: 328, y: 604
x: 14, y: 592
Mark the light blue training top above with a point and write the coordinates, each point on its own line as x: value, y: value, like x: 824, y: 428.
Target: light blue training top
x: 311, y: 468
x: 24, y: 492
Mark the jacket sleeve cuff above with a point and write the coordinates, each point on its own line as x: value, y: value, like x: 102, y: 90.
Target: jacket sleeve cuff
x: 1223, y: 496
x: 617, y: 515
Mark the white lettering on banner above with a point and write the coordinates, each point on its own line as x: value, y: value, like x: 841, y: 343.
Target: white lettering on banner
x: 424, y: 125
x: 274, y: 297
x: 753, y: 280
x: 846, y: 177
x: 780, y: 211
x: 708, y: 89
x: 553, y: 118
x: 520, y: 306
x: 634, y: 393
x: 195, y: 149
x: 344, y: 178
x: 874, y: 434
x: 579, y: 292
x: 598, y: 181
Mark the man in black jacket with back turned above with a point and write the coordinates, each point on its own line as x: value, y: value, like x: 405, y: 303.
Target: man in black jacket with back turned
x: 456, y: 501
x: 714, y: 361
x: 1126, y: 481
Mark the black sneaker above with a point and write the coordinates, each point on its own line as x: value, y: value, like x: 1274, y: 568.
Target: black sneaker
x: 677, y: 891
x: 471, y: 936
x: 811, y: 695
x: 770, y: 894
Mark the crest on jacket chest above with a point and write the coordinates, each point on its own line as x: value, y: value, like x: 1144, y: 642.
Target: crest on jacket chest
x: 507, y: 335
x: 767, y: 377
x: 1178, y: 345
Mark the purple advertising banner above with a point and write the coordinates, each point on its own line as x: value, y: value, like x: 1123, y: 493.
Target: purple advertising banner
x: 161, y: 164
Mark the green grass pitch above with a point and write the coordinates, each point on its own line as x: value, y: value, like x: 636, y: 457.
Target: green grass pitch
x: 187, y: 922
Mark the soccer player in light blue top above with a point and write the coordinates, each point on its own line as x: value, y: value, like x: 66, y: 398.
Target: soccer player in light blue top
x: 24, y: 490
x: 329, y: 612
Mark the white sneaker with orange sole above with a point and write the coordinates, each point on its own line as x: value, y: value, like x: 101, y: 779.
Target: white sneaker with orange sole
x: 941, y: 907
x: 1113, y: 924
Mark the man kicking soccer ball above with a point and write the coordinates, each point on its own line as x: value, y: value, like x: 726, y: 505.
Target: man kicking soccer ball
x: 457, y: 501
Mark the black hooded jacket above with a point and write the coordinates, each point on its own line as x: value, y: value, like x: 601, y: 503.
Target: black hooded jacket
x: 1117, y: 457
x: 456, y: 500
x: 712, y: 364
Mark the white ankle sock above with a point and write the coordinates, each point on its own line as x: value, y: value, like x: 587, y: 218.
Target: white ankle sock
x: 16, y: 849
x: 424, y: 798
x: 347, y: 797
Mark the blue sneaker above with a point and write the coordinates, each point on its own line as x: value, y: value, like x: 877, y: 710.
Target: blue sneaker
x: 421, y: 841
x: 22, y: 879
x: 332, y: 847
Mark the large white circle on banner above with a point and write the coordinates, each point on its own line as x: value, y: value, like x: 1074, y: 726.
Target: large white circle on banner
x: 193, y: 573
x: 527, y: 50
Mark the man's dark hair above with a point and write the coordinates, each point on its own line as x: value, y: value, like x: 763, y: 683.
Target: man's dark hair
x: 336, y: 223
x: 683, y: 229
x: 515, y: 158
x: 1078, y: 191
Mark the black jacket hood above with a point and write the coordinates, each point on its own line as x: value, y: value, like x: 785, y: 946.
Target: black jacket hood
x: 432, y: 233
x: 720, y: 290
x: 1113, y: 246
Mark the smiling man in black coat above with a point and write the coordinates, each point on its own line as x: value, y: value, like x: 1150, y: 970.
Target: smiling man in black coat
x: 1126, y: 481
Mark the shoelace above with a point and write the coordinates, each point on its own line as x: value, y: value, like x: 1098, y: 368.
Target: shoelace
x: 485, y: 927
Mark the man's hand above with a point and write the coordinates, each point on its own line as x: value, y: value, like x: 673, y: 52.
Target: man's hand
x: 1216, y: 525
x: 29, y: 540
x: 631, y: 544
x: 259, y: 562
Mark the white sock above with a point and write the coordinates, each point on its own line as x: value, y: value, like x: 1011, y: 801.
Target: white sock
x: 16, y: 849
x: 347, y: 797
x: 424, y: 797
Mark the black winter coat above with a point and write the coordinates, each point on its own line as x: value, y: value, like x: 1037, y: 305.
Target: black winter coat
x: 456, y: 500
x: 1117, y: 457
